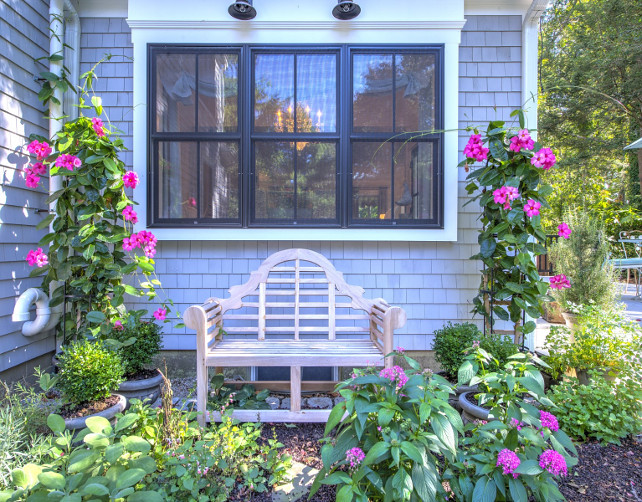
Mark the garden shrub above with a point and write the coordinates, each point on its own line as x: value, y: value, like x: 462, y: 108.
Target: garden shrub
x: 88, y: 372
x: 222, y: 397
x: 139, y: 343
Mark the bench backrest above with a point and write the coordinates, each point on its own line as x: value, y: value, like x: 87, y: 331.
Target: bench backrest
x: 298, y: 292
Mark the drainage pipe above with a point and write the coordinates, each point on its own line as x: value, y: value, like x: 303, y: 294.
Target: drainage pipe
x: 43, y: 312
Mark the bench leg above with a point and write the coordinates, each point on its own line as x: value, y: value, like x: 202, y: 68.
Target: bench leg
x: 295, y: 388
x: 201, y: 391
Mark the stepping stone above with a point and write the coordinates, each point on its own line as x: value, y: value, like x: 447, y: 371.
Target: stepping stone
x: 285, y: 404
x: 273, y: 402
x: 319, y: 403
x: 302, y: 477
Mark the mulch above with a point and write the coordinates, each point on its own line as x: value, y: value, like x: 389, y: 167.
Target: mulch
x: 86, y: 409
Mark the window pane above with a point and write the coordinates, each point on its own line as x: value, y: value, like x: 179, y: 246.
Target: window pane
x: 177, y: 179
x: 316, y: 181
x: 220, y: 175
x: 175, y: 87
x: 217, y: 92
x: 316, y: 106
x: 372, y: 92
x: 274, y: 179
x: 274, y: 93
x: 371, y: 178
x: 414, y: 92
x: 414, y: 182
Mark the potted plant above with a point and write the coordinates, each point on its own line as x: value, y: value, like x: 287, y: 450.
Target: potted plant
x: 88, y: 374
x: 137, y: 342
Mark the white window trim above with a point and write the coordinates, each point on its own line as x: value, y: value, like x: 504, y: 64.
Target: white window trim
x: 300, y: 33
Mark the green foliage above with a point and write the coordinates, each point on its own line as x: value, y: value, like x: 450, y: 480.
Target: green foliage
x: 602, y: 410
x: 138, y: 342
x: 508, y: 238
x: 228, y: 459
x: 88, y: 372
x: 452, y: 338
x: 222, y: 397
x: 582, y: 258
x: 402, y: 428
x: 102, y: 463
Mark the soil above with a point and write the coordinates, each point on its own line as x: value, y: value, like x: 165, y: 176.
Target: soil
x: 142, y: 375
x: 86, y: 409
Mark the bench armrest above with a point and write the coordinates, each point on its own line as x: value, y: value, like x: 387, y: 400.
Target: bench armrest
x: 384, y: 321
x: 201, y: 318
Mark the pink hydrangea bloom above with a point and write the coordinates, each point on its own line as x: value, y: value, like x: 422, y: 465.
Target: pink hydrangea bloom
x: 395, y: 374
x: 37, y: 258
x: 521, y: 140
x: 560, y: 282
x: 549, y: 420
x: 130, y: 215
x: 40, y: 150
x: 160, y: 314
x: 545, y: 159
x: 531, y: 208
x: 130, y: 179
x: 355, y: 456
x: 553, y: 462
x: 475, y: 149
x: 505, y: 195
x: 509, y: 461
x: 563, y: 230
x: 98, y: 126
x: 69, y: 161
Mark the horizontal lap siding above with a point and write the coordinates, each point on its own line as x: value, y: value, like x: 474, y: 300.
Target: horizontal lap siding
x: 24, y: 29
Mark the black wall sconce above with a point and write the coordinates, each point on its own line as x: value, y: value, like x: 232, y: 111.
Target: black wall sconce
x: 242, y: 9
x: 345, y: 10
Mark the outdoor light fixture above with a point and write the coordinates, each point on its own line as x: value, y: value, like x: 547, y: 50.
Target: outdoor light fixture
x: 345, y: 9
x: 242, y: 9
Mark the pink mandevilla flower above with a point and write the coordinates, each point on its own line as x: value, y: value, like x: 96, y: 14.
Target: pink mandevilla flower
x: 509, y: 461
x: 560, y: 282
x: 130, y: 215
x: 522, y: 140
x: 355, y: 456
x: 531, y: 208
x: 40, y: 150
x: 119, y: 326
x: 69, y: 161
x: 160, y: 314
x: 505, y: 195
x: 37, y: 258
x: 475, y: 149
x: 563, y: 230
x: 553, y: 462
x: 31, y: 180
x: 143, y: 239
x: 98, y: 126
x: 545, y: 159
x: 130, y: 179
x: 548, y: 420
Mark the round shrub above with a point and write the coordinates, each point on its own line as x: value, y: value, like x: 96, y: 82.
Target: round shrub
x: 146, y: 338
x: 88, y: 372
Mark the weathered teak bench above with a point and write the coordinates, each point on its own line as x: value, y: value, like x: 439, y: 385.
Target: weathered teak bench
x: 296, y: 310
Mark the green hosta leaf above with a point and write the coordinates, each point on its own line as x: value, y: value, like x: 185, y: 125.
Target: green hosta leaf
x: 129, y: 478
x: 95, y: 489
x: 56, y: 423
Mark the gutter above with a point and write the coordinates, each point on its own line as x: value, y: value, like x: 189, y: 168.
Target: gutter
x: 530, y: 58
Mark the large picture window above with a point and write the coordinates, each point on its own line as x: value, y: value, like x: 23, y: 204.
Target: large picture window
x: 284, y: 136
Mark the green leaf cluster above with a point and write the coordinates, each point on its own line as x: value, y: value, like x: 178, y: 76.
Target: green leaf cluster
x: 224, y: 398
x: 138, y: 342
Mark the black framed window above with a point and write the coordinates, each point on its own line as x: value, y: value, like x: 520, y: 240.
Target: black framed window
x: 284, y: 136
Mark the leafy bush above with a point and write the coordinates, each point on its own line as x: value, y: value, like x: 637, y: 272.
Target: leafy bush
x: 602, y: 410
x: 222, y: 397
x: 88, y: 372
x: 138, y: 343
x: 450, y: 340
x: 582, y: 258
x: 228, y: 459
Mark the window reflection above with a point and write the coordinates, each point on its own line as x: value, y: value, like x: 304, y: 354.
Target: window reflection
x: 372, y: 92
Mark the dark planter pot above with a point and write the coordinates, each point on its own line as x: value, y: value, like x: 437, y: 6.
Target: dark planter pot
x: 79, y: 423
x: 585, y: 379
x: 453, y: 400
x: 148, y: 389
x: 471, y: 412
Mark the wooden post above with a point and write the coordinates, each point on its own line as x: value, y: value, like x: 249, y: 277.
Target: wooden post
x: 196, y: 318
x: 295, y: 388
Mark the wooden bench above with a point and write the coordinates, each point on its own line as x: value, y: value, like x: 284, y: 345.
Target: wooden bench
x: 296, y: 310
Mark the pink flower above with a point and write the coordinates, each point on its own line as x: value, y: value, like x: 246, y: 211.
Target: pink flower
x: 192, y: 201
x: 130, y: 215
x: 38, y: 168
x: 476, y: 344
x: 69, y: 161
x: 143, y: 239
x: 355, y: 456
x: 505, y: 195
x: 130, y: 179
x: 474, y: 149
x: 516, y: 423
x: 40, y: 150
x: 37, y: 258
x: 548, y: 420
x: 396, y: 373
x: 400, y: 350
x: 31, y: 180
x: 509, y: 461
x: 118, y: 325
x: 560, y: 282
x: 98, y: 126
x: 160, y: 314
x: 563, y: 230
x: 553, y: 462
x: 522, y: 140
x: 531, y: 208
x: 545, y: 159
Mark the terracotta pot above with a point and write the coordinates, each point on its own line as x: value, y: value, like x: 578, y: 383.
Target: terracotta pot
x: 148, y: 389
x: 109, y: 413
x: 471, y: 412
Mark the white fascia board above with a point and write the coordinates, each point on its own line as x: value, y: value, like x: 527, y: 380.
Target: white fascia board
x: 101, y: 8
x: 495, y: 7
